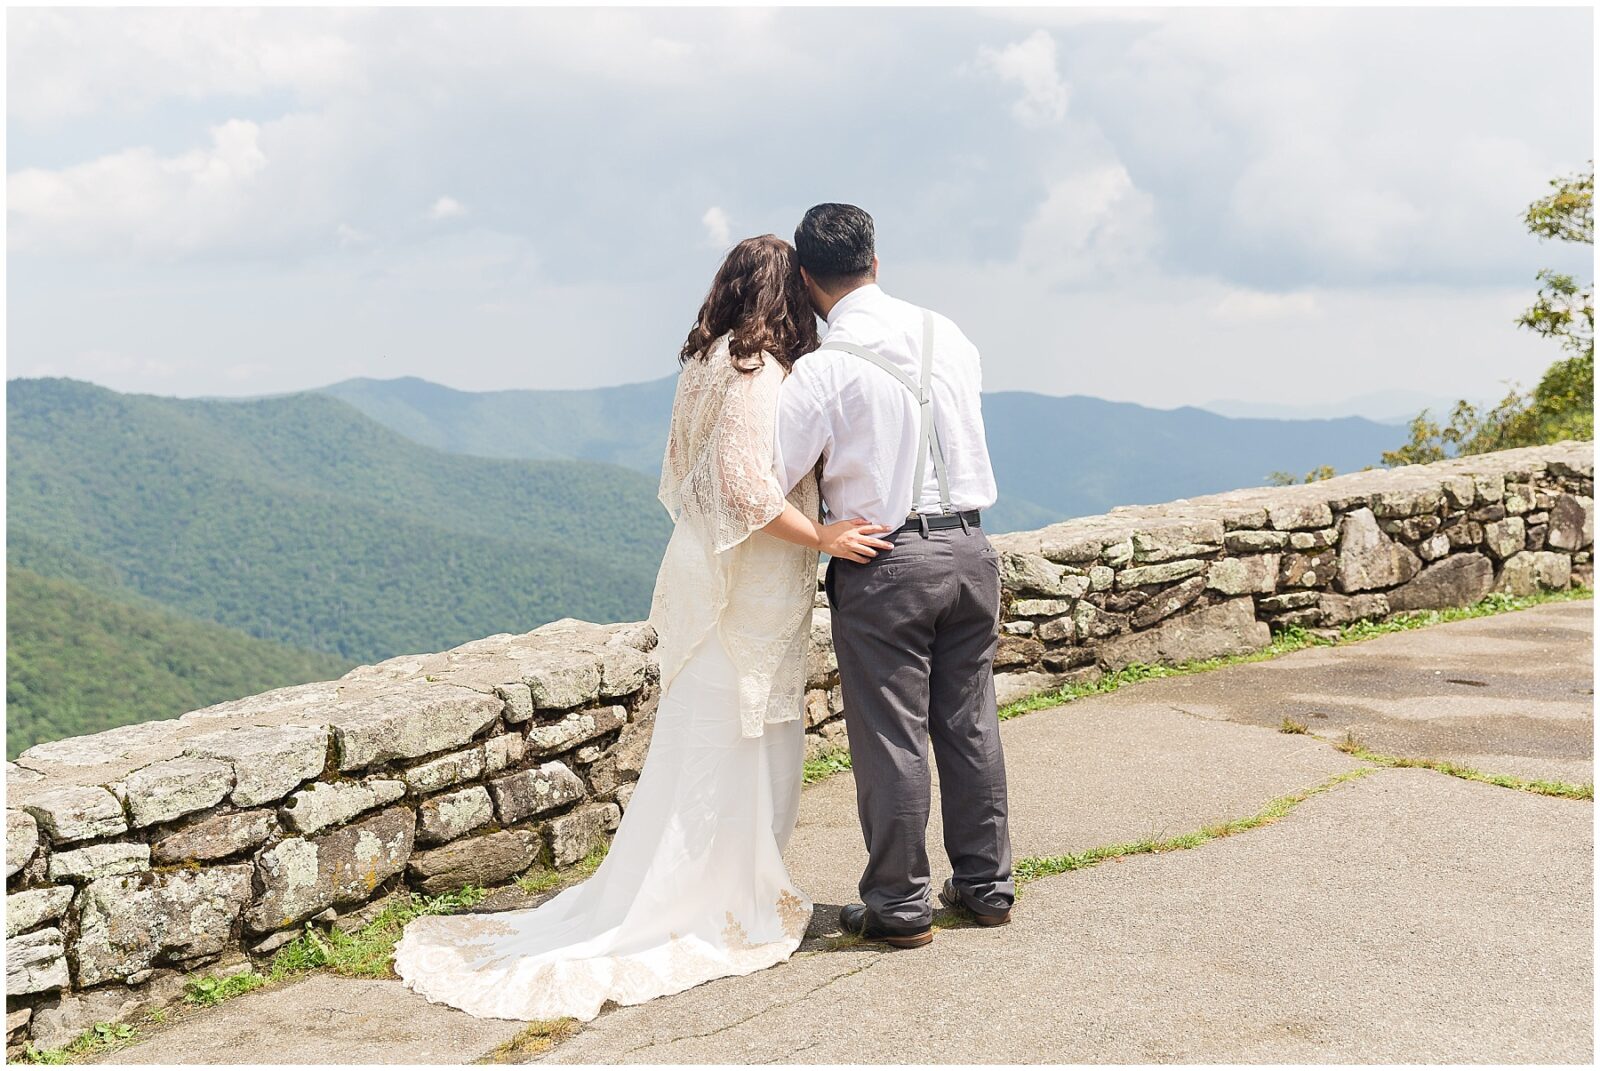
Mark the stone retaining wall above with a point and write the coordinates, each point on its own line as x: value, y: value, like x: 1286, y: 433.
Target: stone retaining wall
x: 138, y: 855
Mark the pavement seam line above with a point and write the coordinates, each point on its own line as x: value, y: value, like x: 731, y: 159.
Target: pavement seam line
x: 1033, y: 867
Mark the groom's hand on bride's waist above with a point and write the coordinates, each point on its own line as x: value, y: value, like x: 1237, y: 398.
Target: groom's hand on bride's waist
x: 853, y: 540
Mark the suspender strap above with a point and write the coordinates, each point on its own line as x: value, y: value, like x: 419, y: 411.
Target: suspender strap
x: 923, y: 393
x: 930, y: 429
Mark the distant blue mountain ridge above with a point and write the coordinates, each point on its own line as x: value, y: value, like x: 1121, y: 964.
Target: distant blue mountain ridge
x: 1054, y: 457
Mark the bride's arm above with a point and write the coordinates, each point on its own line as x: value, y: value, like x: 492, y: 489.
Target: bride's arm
x: 851, y: 540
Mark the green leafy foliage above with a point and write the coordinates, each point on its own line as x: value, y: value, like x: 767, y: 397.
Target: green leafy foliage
x: 825, y: 766
x: 78, y: 661
x: 1561, y: 406
x: 98, y: 1039
x: 1288, y: 479
x: 210, y: 990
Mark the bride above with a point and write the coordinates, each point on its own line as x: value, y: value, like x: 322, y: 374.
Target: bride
x: 694, y: 886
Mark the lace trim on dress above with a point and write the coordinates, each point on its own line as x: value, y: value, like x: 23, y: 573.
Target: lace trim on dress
x: 721, y: 571
x: 443, y: 957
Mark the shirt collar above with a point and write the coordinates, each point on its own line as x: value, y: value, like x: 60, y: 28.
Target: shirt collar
x: 851, y: 300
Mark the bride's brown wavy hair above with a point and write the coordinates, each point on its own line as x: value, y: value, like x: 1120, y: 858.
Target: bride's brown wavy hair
x: 757, y: 295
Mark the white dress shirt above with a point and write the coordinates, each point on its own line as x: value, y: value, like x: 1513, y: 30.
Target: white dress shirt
x: 865, y: 425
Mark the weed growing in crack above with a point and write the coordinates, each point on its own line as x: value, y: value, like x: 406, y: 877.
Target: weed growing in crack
x: 1033, y: 867
x: 533, y: 1040
x: 825, y: 765
x: 542, y: 878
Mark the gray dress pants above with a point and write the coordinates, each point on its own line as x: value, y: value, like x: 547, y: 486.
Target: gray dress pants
x: 915, y: 631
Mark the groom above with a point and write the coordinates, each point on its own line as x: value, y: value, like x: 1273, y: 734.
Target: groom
x: 890, y: 403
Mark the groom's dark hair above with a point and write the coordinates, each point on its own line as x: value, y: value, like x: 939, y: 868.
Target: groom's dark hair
x: 835, y: 243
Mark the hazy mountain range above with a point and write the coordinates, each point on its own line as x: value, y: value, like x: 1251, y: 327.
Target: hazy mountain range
x: 168, y: 553
x: 1383, y: 406
x: 1054, y: 457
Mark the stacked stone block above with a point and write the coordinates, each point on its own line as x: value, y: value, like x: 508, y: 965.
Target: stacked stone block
x: 141, y: 854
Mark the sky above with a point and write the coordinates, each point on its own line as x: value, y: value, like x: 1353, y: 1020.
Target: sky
x: 1278, y: 206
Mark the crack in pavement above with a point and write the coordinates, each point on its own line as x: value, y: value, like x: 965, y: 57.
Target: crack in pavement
x: 807, y: 995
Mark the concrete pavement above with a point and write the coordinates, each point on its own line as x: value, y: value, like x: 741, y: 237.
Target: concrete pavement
x: 1401, y: 916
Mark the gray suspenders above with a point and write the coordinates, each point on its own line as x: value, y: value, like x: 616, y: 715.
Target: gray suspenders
x: 923, y: 393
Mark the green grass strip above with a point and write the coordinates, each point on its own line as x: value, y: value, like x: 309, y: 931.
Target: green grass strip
x: 1033, y: 867
x: 1560, y: 789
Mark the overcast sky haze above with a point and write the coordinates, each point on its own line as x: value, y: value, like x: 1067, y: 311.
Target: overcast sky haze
x: 1166, y: 208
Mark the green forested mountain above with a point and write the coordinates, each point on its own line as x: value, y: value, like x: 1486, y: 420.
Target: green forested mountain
x: 169, y: 553
x: 1054, y: 457
x: 78, y: 661
x: 298, y: 520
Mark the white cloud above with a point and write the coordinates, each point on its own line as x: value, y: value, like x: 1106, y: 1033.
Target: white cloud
x: 350, y: 237
x: 446, y: 208
x: 1156, y: 339
x: 717, y: 224
x: 1030, y: 64
x: 69, y: 63
x: 1244, y: 306
x: 1213, y: 178
x: 1291, y: 163
x: 138, y: 200
x: 1092, y: 227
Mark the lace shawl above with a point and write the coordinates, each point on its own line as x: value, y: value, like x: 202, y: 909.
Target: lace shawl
x: 720, y: 570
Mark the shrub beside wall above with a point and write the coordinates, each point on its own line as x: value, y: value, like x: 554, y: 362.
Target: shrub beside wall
x: 138, y: 855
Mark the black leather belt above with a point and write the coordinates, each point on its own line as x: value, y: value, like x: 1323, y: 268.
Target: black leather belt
x: 934, y: 522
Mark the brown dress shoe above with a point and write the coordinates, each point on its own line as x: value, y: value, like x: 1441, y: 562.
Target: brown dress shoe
x: 952, y: 899
x: 858, y: 920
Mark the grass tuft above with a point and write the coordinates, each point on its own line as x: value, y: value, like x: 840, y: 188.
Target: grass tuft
x: 542, y: 878
x: 208, y: 991
x: 840, y: 942
x: 99, y: 1038
x: 534, y: 1039
x: 369, y: 951
x: 364, y: 953
x: 825, y: 765
x: 1296, y: 728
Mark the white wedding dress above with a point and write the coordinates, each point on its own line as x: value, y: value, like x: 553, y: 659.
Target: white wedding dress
x: 694, y: 886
